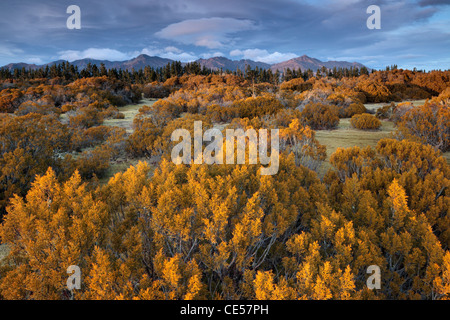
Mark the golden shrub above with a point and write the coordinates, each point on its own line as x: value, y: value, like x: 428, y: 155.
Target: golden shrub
x: 365, y: 121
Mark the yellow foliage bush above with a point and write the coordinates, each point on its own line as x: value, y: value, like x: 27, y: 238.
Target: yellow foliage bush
x: 365, y: 121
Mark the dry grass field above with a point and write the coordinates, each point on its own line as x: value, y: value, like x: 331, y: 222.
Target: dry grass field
x: 375, y: 106
x: 3, y: 252
x: 130, y: 111
x: 346, y: 136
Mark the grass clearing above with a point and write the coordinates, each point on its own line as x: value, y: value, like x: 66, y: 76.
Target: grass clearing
x: 130, y: 111
x: 447, y: 157
x: 4, y: 251
x: 375, y: 106
x: 345, y: 136
x: 121, y: 165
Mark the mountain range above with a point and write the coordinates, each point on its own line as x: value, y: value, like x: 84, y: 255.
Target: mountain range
x: 216, y: 63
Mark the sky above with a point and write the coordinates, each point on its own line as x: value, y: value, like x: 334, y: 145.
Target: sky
x: 413, y: 33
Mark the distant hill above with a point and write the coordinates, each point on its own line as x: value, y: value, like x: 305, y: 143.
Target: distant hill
x: 304, y: 63
x: 216, y: 63
x: 21, y: 65
x: 140, y: 62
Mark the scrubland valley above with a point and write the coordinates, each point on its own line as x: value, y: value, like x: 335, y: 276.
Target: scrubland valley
x: 86, y: 179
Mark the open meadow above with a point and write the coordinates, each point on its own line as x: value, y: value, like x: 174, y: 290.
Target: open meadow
x: 345, y: 136
x: 130, y: 111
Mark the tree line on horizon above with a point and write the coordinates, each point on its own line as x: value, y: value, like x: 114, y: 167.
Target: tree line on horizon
x: 69, y: 72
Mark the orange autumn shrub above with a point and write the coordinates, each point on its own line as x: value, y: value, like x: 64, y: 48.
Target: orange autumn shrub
x: 365, y: 121
x: 320, y: 116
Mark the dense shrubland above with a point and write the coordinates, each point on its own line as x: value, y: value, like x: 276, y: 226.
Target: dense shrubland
x: 223, y: 231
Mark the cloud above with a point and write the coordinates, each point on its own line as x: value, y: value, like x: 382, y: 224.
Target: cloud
x: 9, y: 51
x: 173, y: 49
x: 262, y: 55
x: 94, y: 53
x: 208, y: 55
x: 425, y: 3
x: 35, y: 60
x: 211, y: 33
x: 170, y: 52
